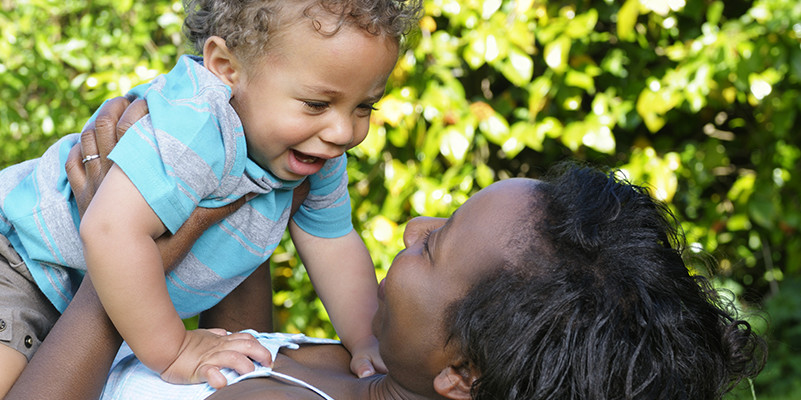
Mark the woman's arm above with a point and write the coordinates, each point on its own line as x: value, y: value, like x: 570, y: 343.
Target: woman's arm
x: 74, y: 359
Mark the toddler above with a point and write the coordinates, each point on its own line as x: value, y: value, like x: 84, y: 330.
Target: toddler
x: 283, y: 89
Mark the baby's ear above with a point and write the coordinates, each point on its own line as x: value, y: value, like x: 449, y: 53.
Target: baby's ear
x: 219, y: 59
x: 455, y: 382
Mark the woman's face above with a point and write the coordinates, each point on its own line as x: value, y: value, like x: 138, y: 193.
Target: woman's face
x: 442, y: 260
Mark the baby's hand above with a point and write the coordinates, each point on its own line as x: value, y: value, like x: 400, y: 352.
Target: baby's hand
x: 365, y: 360
x: 205, y: 351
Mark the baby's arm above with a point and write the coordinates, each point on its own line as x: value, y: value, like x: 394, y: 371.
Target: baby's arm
x: 118, y: 232
x: 343, y: 275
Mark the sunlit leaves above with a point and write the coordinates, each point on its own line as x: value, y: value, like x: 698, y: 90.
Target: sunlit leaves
x: 699, y: 101
x: 455, y: 143
x: 582, y: 25
x: 627, y: 18
x: 761, y: 84
x: 656, y: 172
x: 67, y: 57
x: 518, y: 68
x: 652, y: 105
x: 663, y: 7
x: 556, y: 53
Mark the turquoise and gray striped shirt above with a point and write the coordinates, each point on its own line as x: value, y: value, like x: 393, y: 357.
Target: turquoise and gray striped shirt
x: 188, y: 152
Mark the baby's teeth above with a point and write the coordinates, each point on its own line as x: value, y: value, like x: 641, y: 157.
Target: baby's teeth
x: 306, y: 159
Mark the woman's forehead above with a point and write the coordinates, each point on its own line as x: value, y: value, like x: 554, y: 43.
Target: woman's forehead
x: 489, y: 218
x: 500, y: 196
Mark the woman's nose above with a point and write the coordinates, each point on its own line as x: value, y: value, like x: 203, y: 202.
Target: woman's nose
x: 418, y: 226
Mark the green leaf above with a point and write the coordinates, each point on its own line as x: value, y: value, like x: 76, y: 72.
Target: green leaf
x: 495, y: 128
x: 762, y: 211
x: 476, y: 50
x: 598, y: 137
x: 580, y: 80
x: 551, y: 127
x: 122, y: 6
x: 528, y: 134
x: 556, y: 53
x: 538, y: 94
x: 573, y: 135
x: 652, y: 106
x: 714, y: 12
x: 738, y: 222
x: 626, y: 19
x: 484, y: 175
x: 454, y: 145
x: 518, y: 67
x: 582, y: 25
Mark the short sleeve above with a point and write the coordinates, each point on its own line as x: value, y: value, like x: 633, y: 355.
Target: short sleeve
x: 326, y: 212
x: 189, y: 149
x: 170, y: 176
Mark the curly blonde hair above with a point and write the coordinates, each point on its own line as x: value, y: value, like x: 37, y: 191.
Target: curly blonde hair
x: 248, y: 25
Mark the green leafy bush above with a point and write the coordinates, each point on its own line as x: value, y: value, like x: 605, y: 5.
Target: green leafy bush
x: 697, y: 100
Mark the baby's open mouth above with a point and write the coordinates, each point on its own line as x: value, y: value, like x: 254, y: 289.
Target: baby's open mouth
x: 305, y: 158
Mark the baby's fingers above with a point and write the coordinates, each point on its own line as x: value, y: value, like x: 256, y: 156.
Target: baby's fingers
x: 379, y: 366
x: 247, y: 345
x: 212, y: 375
x: 362, y: 367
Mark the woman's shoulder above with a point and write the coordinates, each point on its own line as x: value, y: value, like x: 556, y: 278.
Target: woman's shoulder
x: 259, y: 388
x: 324, y: 366
x: 331, y: 357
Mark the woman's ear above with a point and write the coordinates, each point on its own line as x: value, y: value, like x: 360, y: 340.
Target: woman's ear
x: 219, y: 59
x: 455, y: 383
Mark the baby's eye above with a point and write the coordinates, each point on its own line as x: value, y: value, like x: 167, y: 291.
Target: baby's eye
x: 316, y: 105
x: 365, y: 109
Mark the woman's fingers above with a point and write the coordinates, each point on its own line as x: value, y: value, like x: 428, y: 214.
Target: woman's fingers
x: 88, y: 161
x: 77, y: 178
x: 133, y: 113
x: 102, y: 139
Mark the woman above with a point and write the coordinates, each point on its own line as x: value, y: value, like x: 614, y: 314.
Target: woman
x: 572, y: 287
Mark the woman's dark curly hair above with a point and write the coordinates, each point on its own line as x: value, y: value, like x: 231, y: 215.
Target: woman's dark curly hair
x: 248, y: 25
x: 600, y: 305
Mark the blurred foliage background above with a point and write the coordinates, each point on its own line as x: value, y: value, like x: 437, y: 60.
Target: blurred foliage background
x: 697, y: 100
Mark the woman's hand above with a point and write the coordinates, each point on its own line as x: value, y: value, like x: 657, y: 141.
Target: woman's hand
x: 242, y: 308
x: 88, y: 161
x: 86, y: 174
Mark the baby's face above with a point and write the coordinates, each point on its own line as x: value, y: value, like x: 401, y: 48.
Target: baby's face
x: 311, y: 97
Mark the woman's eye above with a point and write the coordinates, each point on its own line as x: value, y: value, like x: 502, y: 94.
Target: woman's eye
x: 370, y: 107
x: 426, y: 235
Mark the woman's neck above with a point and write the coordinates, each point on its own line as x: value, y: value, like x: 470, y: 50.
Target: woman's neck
x: 383, y: 387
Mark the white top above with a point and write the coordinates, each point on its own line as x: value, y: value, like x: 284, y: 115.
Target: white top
x: 130, y: 379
